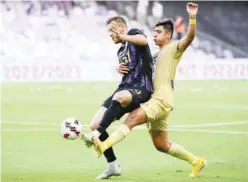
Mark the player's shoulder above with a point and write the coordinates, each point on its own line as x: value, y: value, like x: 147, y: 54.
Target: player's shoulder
x: 134, y: 31
x: 173, y: 44
x: 171, y: 47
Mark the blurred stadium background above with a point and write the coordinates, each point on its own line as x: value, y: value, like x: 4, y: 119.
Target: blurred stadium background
x: 58, y: 62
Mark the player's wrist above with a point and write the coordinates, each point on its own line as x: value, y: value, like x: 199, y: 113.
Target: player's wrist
x: 122, y: 37
x: 192, y: 19
x: 192, y: 16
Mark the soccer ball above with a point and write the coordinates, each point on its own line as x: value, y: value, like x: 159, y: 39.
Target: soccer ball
x: 71, y: 128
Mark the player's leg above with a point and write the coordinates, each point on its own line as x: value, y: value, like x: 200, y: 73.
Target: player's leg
x: 109, y: 154
x: 113, y: 168
x: 159, y: 135
x: 111, y: 113
x: 119, y: 106
x: 93, y: 125
x: 135, y: 118
x: 119, y: 102
x: 160, y: 141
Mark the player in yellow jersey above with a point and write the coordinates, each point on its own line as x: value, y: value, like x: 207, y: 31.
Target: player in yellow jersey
x: 156, y: 111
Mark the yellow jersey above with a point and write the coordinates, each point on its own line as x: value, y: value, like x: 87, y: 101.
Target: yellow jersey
x: 164, y: 73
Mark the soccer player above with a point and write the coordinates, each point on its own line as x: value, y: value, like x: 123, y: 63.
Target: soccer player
x: 156, y: 111
x: 135, y: 87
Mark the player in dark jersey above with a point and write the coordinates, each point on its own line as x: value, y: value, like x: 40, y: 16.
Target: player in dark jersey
x: 135, y: 88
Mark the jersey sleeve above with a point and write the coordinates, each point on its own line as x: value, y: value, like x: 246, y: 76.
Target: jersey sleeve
x: 134, y: 49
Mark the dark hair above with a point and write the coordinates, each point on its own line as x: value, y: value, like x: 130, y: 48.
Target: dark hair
x: 167, y: 25
x: 118, y: 19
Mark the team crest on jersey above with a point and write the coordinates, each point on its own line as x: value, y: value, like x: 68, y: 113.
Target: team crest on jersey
x: 125, y: 59
x: 137, y: 92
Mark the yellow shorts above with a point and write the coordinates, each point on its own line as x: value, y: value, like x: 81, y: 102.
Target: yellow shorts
x: 157, y: 114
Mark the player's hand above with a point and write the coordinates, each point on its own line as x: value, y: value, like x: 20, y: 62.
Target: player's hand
x: 114, y: 29
x: 122, y: 69
x: 192, y: 9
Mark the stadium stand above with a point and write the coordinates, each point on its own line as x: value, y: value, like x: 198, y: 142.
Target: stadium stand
x: 69, y: 31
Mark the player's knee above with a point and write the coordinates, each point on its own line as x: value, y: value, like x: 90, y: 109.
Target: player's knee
x: 123, y: 97
x: 161, y: 146
x: 167, y: 146
x: 157, y: 144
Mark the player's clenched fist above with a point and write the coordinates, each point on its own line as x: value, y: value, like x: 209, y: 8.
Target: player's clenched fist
x: 192, y: 9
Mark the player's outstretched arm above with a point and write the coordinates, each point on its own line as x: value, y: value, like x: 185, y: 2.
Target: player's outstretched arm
x: 137, y: 39
x: 192, y: 10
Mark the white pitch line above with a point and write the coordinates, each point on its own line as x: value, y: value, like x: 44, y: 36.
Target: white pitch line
x: 28, y: 130
x: 211, y: 106
x: 212, y: 131
x: 172, y: 126
x: 210, y: 124
x: 30, y: 123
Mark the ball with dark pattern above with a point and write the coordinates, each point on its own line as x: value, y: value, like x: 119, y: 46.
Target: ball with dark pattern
x: 71, y: 128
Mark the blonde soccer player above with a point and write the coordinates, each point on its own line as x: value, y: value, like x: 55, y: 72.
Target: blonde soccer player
x: 135, y: 87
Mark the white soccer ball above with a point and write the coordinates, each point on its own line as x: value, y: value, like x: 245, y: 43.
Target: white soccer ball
x: 71, y: 128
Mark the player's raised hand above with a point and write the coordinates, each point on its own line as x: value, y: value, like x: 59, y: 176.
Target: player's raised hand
x: 115, y: 30
x: 192, y: 9
x: 122, y: 69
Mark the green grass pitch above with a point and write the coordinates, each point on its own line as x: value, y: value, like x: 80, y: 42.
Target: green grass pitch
x: 210, y: 119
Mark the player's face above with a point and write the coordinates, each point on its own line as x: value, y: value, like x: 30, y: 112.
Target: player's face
x: 112, y: 34
x: 160, y: 35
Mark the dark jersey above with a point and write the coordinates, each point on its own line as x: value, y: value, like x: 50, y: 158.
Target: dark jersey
x: 139, y: 61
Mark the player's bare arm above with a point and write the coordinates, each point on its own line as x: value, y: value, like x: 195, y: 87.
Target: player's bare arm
x: 192, y: 10
x: 137, y: 39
